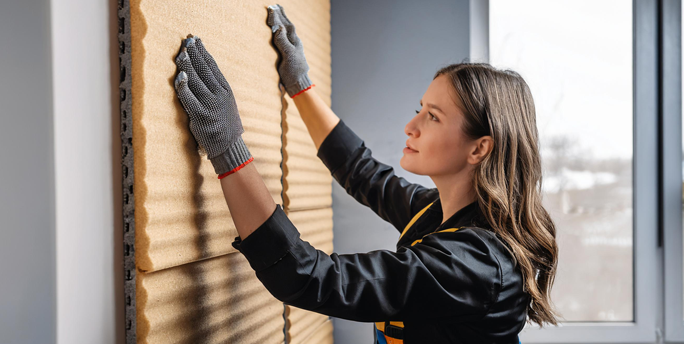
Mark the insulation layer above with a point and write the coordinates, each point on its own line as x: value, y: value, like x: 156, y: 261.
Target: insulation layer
x: 191, y: 284
x: 218, y: 300
x: 321, y: 335
x: 302, y: 324
x: 307, y: 182
x: 315, y: 226
x: 181, y: 215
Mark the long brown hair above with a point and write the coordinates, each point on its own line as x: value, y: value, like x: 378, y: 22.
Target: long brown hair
x: 508, y: 181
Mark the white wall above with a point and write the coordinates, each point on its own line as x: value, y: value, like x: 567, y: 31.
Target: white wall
x: 87, y: 171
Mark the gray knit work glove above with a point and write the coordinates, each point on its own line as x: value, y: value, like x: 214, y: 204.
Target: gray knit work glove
x: 213, y: 114
x: 292, y: 67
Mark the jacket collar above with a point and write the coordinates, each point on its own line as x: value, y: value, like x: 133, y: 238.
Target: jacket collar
x: 468, y: 216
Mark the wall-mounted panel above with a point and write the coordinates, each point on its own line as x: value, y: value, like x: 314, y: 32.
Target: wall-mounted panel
x: 190, y: 283
x: 218, y: 300
x: 307, y: 182
x: 180, y: 214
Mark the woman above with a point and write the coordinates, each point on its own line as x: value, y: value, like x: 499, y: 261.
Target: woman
x: 476, y: 256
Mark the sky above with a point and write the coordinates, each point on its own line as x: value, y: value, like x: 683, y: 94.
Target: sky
x: 576, y: 57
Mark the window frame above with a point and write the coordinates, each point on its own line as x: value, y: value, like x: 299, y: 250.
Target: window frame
x: 647, y: 262
x: 671, y: 187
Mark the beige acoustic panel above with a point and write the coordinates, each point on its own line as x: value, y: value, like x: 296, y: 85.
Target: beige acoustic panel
x: 321, y: 335
x: 217, y: 300
x: 182, y: 223
x: 301, y: 324
x: 314, y: 226
x: 307, y: 183
x: 181, y: 214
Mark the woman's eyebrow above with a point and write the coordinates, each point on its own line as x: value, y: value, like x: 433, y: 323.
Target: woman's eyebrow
x: 430, y: 105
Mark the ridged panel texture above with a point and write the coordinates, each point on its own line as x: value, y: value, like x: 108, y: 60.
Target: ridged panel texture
x: 181, y: 214
x: 301, y: 324
x: 307, y: 182
x: 218, y: 300
x: 321, y: 335
x: 315, y: 226
x: 192, y: 286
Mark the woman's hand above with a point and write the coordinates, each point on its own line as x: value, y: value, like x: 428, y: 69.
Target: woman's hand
x: 213, y: 114
x: 293, y: 68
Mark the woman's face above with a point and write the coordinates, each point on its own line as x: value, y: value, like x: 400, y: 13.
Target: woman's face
x: 441, y: 147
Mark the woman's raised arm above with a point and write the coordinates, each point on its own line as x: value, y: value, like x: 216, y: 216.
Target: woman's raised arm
x: 318, y: 117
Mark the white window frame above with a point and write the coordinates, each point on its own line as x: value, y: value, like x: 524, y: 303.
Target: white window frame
x: 648, y: 258
x: 671, y: 187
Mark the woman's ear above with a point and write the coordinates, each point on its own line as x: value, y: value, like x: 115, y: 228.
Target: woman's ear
x: 482, y: 147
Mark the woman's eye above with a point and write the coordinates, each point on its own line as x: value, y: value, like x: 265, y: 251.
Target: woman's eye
x: 434, y: 118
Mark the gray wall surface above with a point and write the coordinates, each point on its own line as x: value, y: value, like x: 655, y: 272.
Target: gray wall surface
x: 384, y: 55
x: 27, y: 182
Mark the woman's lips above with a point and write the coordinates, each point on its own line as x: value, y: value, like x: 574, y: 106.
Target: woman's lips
x: 408, y: 145
x: 409, y: 150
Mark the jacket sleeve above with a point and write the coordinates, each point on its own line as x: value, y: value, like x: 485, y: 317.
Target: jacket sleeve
x: 371, y: 182
x: 448, y: 275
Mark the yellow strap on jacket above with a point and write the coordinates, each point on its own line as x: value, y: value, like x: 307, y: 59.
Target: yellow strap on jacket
x: 392, y: 331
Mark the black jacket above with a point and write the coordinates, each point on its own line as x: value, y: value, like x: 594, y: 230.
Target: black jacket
x: 453, y: 287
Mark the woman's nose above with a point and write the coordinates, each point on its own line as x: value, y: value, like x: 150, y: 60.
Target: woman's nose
x: 411, y: 128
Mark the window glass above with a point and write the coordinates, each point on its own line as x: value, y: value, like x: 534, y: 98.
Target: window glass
x: 576, y: 56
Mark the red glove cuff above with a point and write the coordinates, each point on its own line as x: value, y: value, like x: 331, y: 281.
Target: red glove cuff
x: 236, y: 169
x: 302, y: 91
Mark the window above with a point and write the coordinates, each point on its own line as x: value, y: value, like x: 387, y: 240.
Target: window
x: 592, y: 68
x: 577, y: 59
